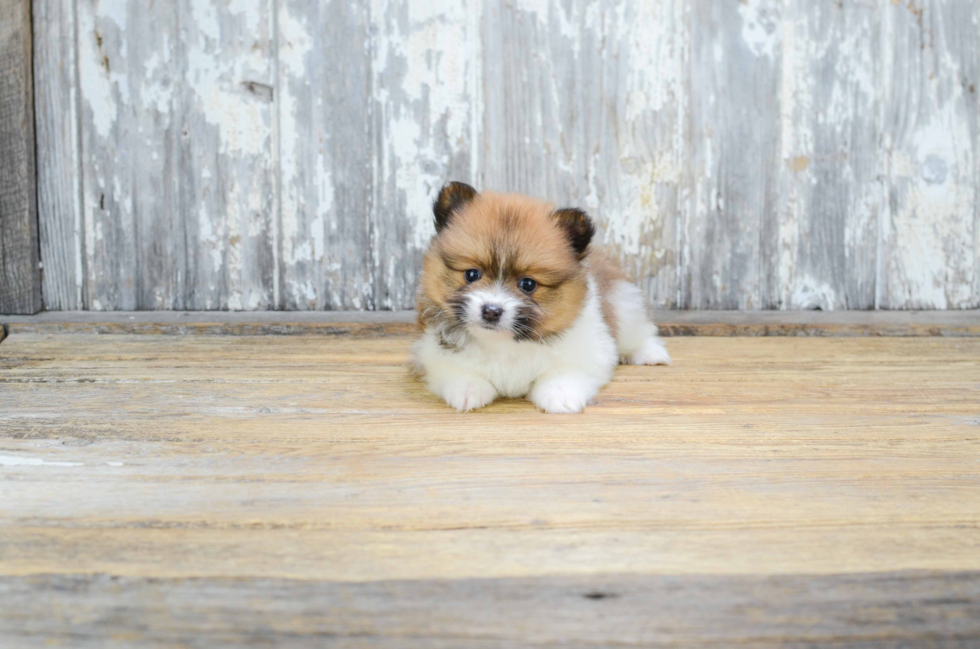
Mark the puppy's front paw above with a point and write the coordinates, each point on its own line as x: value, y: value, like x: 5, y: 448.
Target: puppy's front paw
x: 652, y: 352
x: 562, y: 395
x: 465, y: 394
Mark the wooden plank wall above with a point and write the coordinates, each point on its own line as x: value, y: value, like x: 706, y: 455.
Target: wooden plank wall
x: 283, y: 154
x: 20, y: 275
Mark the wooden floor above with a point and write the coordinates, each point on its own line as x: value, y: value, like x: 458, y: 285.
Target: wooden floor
x: 304, y: 491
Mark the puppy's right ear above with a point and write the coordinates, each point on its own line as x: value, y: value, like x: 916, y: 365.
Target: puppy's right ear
x: 452, y: 197
x: 578, y: 228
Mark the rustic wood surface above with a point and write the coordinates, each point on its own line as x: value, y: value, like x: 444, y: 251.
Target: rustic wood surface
x: 931, y: 143
x: 20, y: 276
x: 914, y: 609
x: 160, y: 490
x: 391, y: 323
x: 59, y: 164
x: 762, y: 154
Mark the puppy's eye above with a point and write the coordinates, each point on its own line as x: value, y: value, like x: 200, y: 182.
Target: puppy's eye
x: 472, y: 275
x: 527, y: 285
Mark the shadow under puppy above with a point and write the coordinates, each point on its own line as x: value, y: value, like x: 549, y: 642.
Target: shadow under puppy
x: 514, y: 302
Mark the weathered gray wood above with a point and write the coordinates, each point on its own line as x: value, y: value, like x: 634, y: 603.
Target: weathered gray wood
x: 829, y: 166
x: 759, y: 154
x: 325, y: 112
x: 584, y: 104
x: 426, y: 97
x: 178, y: 155
x: 59, y: 172
x: 371, y: 127
x: 126, y: 55
x: 325, y: 149
x: 931, y: 148
x: 176, y: 490
x: 730, y: 227
x: 227, y: 169
x: 20, y: 275
x: 921, y: 609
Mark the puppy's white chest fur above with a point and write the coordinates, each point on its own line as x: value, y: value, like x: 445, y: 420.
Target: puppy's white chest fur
x: 560, y: 376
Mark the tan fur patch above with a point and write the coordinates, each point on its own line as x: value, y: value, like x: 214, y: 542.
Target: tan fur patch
x: 606, y: 271
x: 507, y: 237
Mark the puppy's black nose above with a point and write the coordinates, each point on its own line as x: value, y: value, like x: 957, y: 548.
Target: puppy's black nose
x: 492, y: 313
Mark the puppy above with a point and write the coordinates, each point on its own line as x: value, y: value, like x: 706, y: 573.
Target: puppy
x: 514, y: 302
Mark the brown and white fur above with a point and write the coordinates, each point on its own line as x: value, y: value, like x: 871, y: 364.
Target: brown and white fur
x: 486, y: 335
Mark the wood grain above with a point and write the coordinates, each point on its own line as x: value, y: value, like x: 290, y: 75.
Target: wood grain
x: 127, y: 122
x: 371, y: 127
x: 328, y: 139
x: 178, y: 157
x: 20, y: 274
x: 829, y: 166
x: 920, y: 609
x: 229, y: 163
x: 730, y: 226
x: 749, y: 155
x: 59, y: 164
x: 585, y: 104
x: 798, y: 480
x: 735, y: 442
x: 931, y: 138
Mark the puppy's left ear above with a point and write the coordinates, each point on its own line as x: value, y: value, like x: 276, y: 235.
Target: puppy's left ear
x: 452, y: 197
x: 577, y: 226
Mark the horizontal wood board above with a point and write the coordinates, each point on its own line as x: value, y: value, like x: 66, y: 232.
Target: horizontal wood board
x: 300, y: 490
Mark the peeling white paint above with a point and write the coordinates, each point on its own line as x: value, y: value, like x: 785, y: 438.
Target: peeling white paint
x: 591, y: 104
x: 639, y: 204
x: 795, y: 108
x: 209, y: 238
x: 760, y: 26
x: 654, y: 74
x: 929, y: 262
x: 938, y: 208
x: 435, y: 52
x: 103, y: 88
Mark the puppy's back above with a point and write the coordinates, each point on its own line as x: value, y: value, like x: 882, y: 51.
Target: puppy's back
x: 607, y: 272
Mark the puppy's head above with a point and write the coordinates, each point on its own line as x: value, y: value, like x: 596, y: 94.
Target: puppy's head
x: 503, y: 265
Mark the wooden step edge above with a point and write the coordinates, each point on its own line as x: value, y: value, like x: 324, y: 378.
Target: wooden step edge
x: 402, y: 323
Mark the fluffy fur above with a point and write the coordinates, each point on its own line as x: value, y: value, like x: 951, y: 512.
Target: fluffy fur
x: 515, y: 302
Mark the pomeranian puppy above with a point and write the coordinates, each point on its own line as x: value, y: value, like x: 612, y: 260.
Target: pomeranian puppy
x: 514, y: 302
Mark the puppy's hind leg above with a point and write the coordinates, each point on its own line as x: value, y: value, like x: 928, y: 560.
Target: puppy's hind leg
x: 636, y: 336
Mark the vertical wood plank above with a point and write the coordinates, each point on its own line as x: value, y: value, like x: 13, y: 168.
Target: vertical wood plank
x: 326, y: 152
x: 127, y: 74
x: 178, y: 126
x: 830, y: 167
x: 731, y: 220
x: 59, y: 173
x: 375, y: 116
x: 585, y: 104
x: 426, y: 62
x: 20, y: 277
x: 931, y: 144
x: 227, y: 156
